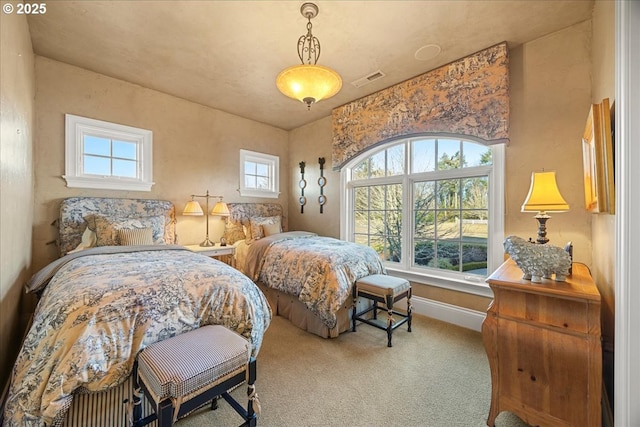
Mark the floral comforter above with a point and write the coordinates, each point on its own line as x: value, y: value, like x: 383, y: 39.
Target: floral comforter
x: 99, y: 309
x: 318, y: 270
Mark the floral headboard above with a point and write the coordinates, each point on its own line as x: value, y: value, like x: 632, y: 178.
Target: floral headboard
x: 241, y: 213
x: 71, y: 223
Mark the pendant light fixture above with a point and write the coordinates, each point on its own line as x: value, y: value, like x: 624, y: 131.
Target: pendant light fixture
x: 309, y: 82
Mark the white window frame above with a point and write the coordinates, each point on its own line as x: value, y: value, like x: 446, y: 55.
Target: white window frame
x: 76, y: 127
x: 468, y: 283
x: 273, y: 166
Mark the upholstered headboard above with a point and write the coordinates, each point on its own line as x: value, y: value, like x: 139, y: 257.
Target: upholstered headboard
x: 241, y: 213
x: 71, y: 223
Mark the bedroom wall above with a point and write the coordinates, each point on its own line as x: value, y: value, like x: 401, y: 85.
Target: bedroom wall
x: 195, y: 147
x: 308, y: 143
x: 550, y: 92
x: 603, y: 230
x: 17, y: 90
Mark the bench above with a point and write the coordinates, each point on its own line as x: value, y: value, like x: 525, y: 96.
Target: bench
x: 185, y: 372
x: 381, y: 288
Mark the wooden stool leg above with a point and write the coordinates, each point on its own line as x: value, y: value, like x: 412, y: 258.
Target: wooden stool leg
x: 165, y: 413
x: 409, y: 310
x: 389, y: 319
x: 355, y: 308
x: 137, y: 396
x: 251, y: 393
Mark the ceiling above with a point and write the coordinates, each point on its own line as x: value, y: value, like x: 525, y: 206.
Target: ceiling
x: 227, y: 54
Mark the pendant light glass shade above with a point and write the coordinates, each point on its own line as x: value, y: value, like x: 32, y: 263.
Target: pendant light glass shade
x: 309, y: 83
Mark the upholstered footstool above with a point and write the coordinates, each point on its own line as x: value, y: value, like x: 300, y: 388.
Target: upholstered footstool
x: 388, y: 290
x: 185, y: 372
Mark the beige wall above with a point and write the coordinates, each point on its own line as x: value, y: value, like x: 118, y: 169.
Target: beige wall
x: 17, y: 89
x: 603, y: 230
x: 308, y: 143
x: 550, y: 99
x: 550, y: 96
x: 195, y: 147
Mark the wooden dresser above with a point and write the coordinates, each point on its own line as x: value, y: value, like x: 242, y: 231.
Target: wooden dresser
x: 543, y: 345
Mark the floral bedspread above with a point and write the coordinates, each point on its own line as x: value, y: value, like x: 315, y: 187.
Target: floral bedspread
x: 320, y: 271
x: 99, y: 310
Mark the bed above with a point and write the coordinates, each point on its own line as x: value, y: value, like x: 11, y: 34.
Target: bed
x: 307, y: 278
x: 100, y: 305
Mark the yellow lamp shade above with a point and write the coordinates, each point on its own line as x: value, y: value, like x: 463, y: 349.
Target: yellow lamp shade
x: 309, y: 83
x: 544, y: 195
x: 220, y: 209
x: 193, y: 208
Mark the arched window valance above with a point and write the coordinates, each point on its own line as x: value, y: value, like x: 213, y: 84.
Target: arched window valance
x: 467, y: 97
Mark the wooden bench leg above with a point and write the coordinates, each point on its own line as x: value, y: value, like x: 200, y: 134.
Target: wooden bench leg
x: 355, y: 307
x: 252, y: 418
x: 409, y: 310
x: 389, y: 319
x: 165, y: 413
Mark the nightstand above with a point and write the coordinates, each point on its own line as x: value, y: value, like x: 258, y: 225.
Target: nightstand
x: 222, y: 253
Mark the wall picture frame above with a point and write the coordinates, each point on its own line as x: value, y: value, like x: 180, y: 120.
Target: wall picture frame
x: 597, y: 156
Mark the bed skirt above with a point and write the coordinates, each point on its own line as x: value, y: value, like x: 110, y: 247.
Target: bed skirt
x: 290, y: 307
x: 105, y: 409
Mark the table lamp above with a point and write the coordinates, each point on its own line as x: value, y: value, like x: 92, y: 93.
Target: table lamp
x: 194, y: 208
x: 544, y: 196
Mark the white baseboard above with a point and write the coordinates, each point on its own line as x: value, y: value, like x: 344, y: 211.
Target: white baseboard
x: 449, y: 313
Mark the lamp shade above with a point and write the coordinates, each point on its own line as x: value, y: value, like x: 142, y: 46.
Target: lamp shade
x: 193, y: 208
x: 309, y: 83
x: 220, y: 209
x: 544, y: 195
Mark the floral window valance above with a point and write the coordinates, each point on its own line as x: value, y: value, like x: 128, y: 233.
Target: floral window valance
x: 469, y: 97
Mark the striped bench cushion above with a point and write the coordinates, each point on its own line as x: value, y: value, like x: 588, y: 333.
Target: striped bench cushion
x: 381, y: 284
x: 192, y: 362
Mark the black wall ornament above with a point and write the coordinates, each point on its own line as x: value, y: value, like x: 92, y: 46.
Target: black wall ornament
x: 322, y: 181
x: 302, y: 200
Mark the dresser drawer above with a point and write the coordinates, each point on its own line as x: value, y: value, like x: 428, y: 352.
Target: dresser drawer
x: 545, y: 310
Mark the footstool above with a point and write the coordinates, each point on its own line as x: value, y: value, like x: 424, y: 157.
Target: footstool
x: 185, y: 372
x: 381, y: 288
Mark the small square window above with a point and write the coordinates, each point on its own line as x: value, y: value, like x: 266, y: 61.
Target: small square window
x: 259, y: 174
x: 107, y: 155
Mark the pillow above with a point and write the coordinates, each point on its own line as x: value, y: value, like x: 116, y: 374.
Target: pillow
x: 257, y: 223
x: 107, y: 228
x: 233, y: 232
x: 135, y: 236
x: 89, y: 240
x: 269, y: 229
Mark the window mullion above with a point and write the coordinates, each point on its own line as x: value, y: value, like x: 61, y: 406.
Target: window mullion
x: 408, y: 219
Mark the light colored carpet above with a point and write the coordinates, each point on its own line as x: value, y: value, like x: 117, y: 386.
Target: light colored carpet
x: 437, y: 375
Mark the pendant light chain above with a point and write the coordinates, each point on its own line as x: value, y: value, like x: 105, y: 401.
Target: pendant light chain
x: 309, y: 44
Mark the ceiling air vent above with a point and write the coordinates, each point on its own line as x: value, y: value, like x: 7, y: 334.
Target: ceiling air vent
x: 368, y: 79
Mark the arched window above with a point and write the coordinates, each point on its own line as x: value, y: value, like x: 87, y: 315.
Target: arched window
x: 431, y: 206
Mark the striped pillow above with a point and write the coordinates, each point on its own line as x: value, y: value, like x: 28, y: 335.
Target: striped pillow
x: 135, y: 236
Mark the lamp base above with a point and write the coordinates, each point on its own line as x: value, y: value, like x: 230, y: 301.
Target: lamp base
x: 207, y: 243
x: 542, y: 228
